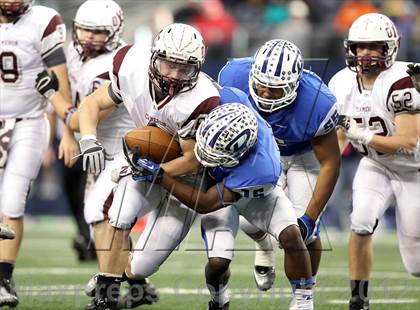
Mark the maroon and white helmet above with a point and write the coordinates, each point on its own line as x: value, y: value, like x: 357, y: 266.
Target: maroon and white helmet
x: 15, y: 9
x: 98, y: 16
x: 183, y: 46
x: 377, y: 29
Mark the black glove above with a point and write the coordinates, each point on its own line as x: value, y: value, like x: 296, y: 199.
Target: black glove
x: 414, y: 72
x: 46, y: 84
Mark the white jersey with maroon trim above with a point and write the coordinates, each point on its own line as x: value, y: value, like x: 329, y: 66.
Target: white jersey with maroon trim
x: 392, y: 94
x: 23, y: 46
x: 85, y: 77
x: 179, y: 115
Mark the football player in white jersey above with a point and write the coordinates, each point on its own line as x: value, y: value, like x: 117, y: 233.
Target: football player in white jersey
x: 31, y: 39
x: 89, y: 56
x: 381, y: 118
x: 163, y: 87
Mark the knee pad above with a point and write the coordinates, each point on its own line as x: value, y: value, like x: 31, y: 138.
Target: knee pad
x: 363, y: 228
x: 13, y: 202
x: 250, y: 229
x: 218, y: 264
x: 143, y: 265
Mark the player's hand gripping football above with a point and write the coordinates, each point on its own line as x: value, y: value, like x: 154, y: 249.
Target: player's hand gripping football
x: 306, y: 226
x: 46, y: 83
x: 353, y: 131
x: 93, y: 154
x: 142, y: 169
x: 414, y: 72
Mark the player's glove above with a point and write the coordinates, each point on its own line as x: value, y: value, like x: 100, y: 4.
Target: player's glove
x: 306, y: 226
x: 414, y: 72
x: 354, y: 132
x: 46, y: 84
x: 93, y: 154
x: 142, y: 170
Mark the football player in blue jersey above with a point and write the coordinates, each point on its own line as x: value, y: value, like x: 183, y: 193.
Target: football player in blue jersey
x: 241, y: 158
x: 302, y: 112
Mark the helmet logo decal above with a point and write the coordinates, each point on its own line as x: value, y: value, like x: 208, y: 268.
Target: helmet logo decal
x: 239, y: 142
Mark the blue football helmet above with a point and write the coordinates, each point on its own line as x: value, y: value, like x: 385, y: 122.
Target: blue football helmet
x: 225, y: 135
x: 278, y: 64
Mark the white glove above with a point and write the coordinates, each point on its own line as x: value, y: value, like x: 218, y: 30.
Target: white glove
x: 93, y: 154
x: 353, y: 131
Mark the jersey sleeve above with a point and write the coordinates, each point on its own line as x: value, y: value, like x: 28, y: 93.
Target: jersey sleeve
x: 190, y: 126
x: 329, y: 122
x: 114, y: 73
x: 53, y: 35
x: 403, y: 97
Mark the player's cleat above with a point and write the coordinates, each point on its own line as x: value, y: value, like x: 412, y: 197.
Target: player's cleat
x: 84, y: 251
x: 8, y: 296
x: 264, y: 277
x: 142, y: 293
x: 102, y: 304
x: 357, y: 303
x: 216, y: 306
x: 90, y: 287
x: 6, y: 232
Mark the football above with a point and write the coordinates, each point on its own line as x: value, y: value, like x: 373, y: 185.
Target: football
x: 154, y: 143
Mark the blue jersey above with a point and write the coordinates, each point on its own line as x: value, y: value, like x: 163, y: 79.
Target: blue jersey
x: 312, y: 114
x: 259, y: 169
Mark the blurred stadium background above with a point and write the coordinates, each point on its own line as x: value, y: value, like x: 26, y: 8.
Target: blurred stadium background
x: 231, y: 28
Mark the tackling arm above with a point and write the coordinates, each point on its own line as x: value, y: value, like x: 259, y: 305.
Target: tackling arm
x: 213, y: 199
x: 328, y: 154
x: 185, y: 164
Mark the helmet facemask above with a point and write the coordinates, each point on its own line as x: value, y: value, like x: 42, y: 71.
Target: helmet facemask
x: 288, y: 94
x: 370, y: 64
x: 186, y: 70
x: 13, y: 10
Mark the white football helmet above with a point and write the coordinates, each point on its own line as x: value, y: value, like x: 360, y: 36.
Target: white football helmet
x: 225, y: 135
x: 180, y: 44
x: 14, y: 9
x: 372, y: 28
x: 277, y: 64
x: 96, y: 16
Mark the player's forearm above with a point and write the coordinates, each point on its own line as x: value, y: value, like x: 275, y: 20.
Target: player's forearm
x: 60, y: 104
x: 183, y: 165
x: 324, y: 187
x: 393, y: 144
x: 189, y: 196
x: 88, y: 116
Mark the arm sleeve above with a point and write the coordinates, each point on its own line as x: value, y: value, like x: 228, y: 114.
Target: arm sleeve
x: 55, y: 58
x: 190, y: 126
x: 403, y: 97
x: 114, y: 74
x: 328, y: 122
x: 53, y: 36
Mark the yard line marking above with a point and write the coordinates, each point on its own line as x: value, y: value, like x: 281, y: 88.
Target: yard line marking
x: 378, y: 301
x: 238, y: 268
x: 275, y: 292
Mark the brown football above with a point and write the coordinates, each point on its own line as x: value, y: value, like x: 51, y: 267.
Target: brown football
x: 154, y: 143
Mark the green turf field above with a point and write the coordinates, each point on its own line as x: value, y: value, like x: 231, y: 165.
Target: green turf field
x: 48, y: 275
